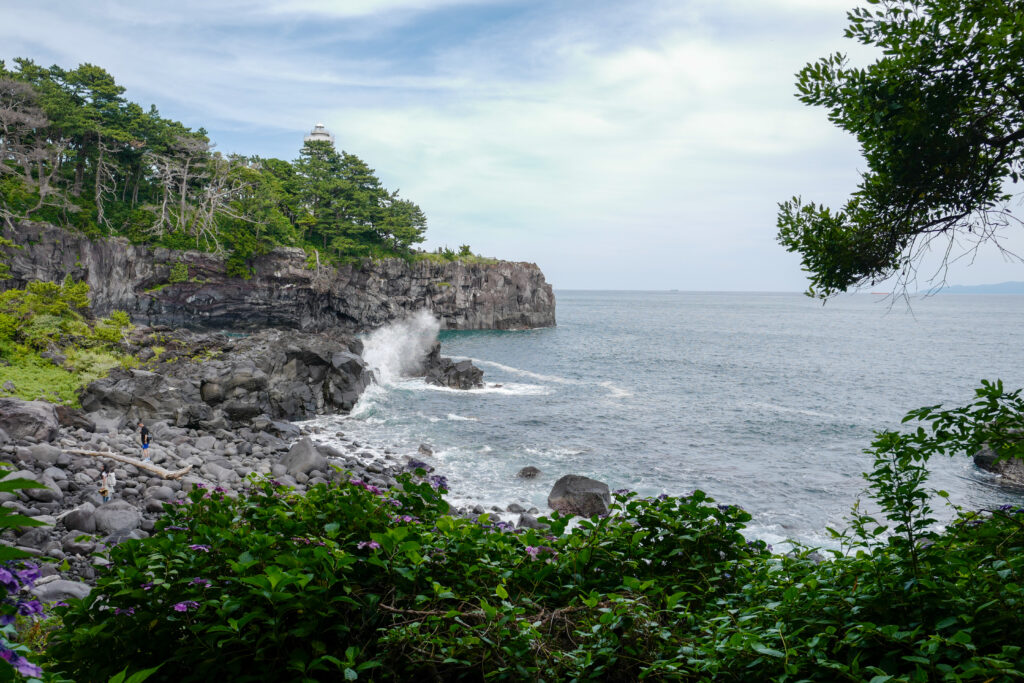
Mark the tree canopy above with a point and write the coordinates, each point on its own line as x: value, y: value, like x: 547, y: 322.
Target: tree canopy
x: 940, y: 123
x: 76, y: 153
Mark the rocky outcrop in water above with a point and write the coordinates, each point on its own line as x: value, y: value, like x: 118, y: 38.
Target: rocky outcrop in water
x: 283, y: 291
x: 1010, y: 469
x: 444, y: 372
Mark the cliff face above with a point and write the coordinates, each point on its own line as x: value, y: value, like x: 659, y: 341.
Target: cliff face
x: 283, y: 292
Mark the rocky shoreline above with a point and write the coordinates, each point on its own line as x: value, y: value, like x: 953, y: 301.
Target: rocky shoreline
x: 218, y: 409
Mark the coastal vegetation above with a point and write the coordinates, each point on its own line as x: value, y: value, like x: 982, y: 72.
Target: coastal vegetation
x: 75, y: 153
x: 51, y: 347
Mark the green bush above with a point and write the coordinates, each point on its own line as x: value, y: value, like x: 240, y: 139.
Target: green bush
x: 179, y: 273
x: 347, y: 581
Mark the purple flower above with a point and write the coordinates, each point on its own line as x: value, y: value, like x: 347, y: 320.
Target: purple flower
x: 129, y: 611
x: 205, y: 583
x: 26, y: 668
x: 532, y: 551
x: 357, y: 482
x: 199, y: 547
x: 20, y: 664
x: 29, y: 574
x: 219, y: 489
x: 373, y: 545
x: 408, y: 519
x: 621, y: 492
x: 663, y: 496
x: 8, y: 580
x: 275, y: 482
x: 393, y: 502
x: 27, y: 607
x: 148, y: 585
x: 439, y: 481
x: 185, y: 605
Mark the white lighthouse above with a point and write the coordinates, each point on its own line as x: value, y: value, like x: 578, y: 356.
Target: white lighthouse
x: 320, y: 134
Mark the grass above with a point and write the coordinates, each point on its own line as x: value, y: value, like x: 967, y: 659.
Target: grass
x: 35, y: 378
x: 442, y: 258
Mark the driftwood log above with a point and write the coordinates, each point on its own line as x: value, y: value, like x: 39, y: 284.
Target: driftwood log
x: 148, y: 466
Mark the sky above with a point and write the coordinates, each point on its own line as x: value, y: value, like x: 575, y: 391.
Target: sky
x: 618, y: 145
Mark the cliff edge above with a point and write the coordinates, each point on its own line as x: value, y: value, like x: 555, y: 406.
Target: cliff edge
x: 283, y: 291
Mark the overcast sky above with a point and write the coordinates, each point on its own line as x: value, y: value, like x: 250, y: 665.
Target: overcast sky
x: 619, y: 145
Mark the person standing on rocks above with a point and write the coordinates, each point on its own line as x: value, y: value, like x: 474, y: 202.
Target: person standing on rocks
x: 144, y: 437
x: 107, y: 482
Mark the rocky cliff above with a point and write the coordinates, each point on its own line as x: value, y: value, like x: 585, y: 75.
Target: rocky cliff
x: 283, y: 291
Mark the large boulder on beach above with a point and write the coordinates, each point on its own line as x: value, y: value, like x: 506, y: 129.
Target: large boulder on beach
x: 1010, y: 469
x: 577, y: 495
x: 117, y: 515
x: 43, y: 454
x: 28, y: 419
x: 303, y: 457
x: 81, y: 518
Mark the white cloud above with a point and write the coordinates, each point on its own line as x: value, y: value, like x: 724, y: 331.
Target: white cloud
x: 568, y: 129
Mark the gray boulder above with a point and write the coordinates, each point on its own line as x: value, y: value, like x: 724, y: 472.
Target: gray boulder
x: 61, y: 589
x: 529, y: 472
x: 1011, y: 469
x: 28, y: 419
x: 303, y: 457
x: 117, y: 515
x: 577, y: 495
x: 160, y: 492
x: 81, y: 518
x: 44, y: 454
x: 49, y: 494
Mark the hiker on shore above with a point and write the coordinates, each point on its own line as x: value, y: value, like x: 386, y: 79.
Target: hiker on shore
x: 144, y: 438
x: 107, y: 482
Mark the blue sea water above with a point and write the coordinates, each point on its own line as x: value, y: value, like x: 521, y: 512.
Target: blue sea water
x: 762, y: 400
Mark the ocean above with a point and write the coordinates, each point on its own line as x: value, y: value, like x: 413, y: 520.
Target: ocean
x: 766, y: 401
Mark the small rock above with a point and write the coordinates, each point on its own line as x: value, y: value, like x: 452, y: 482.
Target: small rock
x: 529, y: 472
x: 61, y: 589
x: 528, y: 521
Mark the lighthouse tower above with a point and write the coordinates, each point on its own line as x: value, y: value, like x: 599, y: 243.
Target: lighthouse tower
x: 320, y: 134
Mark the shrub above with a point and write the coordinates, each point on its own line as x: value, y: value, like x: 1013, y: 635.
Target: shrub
x: 179, y: 273
x: 347, y: 579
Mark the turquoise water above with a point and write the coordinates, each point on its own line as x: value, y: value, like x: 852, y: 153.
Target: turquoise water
x: 763, y: 400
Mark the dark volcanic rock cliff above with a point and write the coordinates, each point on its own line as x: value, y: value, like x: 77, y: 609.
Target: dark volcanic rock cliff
x: 283, y: 292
